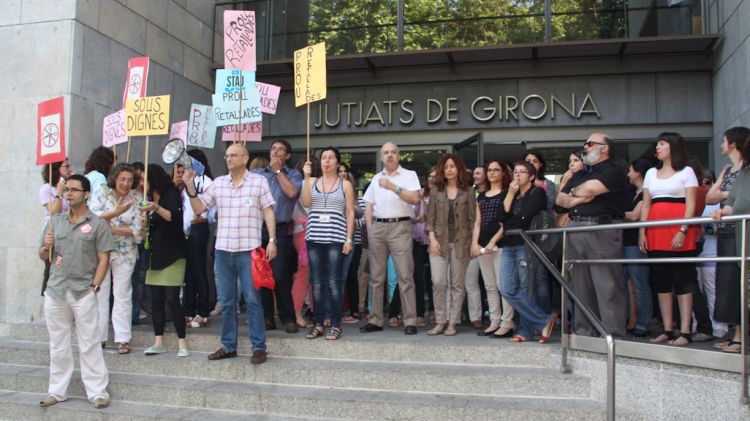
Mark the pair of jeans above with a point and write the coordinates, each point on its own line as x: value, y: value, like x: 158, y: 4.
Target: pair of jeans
x: 639, y: 276
x: 229, y: 267
x: 540, y: 285
x: 326, y: 265
x: 195, y: 298
x: 513, y: 280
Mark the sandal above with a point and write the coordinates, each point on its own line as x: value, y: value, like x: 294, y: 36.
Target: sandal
x: 198, y: 321
x: 518, y: 339
x: 123, y: 348
x: 333, y: 334
x: 733, y: 347
x: 679, y: 342
x: 393, y: 322
x: 666, y: 336
x: 421, y: 322
x: 315, y: 332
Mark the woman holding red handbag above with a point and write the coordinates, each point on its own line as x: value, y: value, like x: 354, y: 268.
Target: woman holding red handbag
x: 330, y: 227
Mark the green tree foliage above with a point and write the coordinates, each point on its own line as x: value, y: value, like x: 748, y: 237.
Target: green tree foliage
x: 369, y: 26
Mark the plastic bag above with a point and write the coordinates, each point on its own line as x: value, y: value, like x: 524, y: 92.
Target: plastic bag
x: 261, y: 269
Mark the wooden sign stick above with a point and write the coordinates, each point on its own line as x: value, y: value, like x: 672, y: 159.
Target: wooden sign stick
x: 145, y: 173
x: 114, y: 151
x: 308, y: 131
x: 49, y: 209
x: 127, y: 156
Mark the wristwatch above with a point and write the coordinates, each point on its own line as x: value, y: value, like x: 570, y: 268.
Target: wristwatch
x: 398, y: 190
x: 271, y: 240
x: 96, y: 288
x: 277, y: 172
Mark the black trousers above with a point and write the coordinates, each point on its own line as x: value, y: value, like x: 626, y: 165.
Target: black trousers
x: 171, y: 296
x: 195, y: 298
x: 283, y: 266
x: 351, y: 285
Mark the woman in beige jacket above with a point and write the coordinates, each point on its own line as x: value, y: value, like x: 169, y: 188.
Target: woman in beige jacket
x: 449, y: 224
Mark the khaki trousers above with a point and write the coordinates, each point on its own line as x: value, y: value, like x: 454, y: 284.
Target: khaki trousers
x: 394, y: 238
x: 441, y: 267
x: 490, y: 265
x: 473, y: 290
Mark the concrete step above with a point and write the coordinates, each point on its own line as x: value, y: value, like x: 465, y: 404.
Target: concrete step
x: 25, y: 406
x: 378, y: 375
x: 390, y: 345
x: 312, y: 401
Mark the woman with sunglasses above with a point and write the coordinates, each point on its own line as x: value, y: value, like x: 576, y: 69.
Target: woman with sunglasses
x: 521, y: 202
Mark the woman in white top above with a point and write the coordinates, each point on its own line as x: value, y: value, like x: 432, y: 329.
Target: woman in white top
x: 669, y: 192
x: 117, y: 203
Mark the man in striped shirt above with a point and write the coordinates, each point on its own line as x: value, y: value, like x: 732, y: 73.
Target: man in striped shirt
x: 244, y: 201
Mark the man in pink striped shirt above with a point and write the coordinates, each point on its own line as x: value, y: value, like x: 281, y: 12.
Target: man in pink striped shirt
x: 242, y: 198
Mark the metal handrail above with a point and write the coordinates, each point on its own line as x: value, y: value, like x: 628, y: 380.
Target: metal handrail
x: 598, y: 325
x: 742, y: 259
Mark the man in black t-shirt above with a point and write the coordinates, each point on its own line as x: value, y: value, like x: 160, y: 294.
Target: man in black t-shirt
x: 592, y: 198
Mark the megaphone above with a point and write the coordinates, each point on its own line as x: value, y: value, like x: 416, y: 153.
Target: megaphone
x: 174, y: 153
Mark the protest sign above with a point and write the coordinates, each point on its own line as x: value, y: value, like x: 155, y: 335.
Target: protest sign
x: 310, y: 74
x: 147, y: 116
x: 269, y: 97
x: 50, y: 144
x: 236, y: 101
x: 239, y: 39
x: 179, y: 131
x: 201, y: 128
x: 113, y: 129
x: 135, y: 82
x: 247, y: 132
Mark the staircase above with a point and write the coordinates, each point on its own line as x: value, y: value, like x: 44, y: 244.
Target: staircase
x: 377, y: 376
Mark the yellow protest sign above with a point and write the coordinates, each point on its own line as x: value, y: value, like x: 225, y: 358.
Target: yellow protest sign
x: 147, y: 116
x: 310, y: 74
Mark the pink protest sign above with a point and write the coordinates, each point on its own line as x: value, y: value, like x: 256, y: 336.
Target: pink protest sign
x: 239, y: 39
x: 179, y: 131
x: 269, y: 97
x: 135, y: 84
x: 113, y: 129
x: 248, y: 132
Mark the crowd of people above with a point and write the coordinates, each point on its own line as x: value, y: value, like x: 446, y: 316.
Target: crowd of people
x: 415, y: 251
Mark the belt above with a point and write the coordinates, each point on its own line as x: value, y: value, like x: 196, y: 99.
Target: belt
x: 387, y: 220
x: 600, y: 219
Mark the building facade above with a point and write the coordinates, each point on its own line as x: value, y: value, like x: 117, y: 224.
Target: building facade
x: 649, y: 66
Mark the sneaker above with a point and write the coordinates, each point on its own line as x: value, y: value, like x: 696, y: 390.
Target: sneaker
x: 49, y: 400
x: 154, y: 350
x: 101, y: 403
x: 183, y: 352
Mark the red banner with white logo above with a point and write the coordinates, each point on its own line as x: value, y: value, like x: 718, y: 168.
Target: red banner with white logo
x: 135, y: 83
x: 50, y: 143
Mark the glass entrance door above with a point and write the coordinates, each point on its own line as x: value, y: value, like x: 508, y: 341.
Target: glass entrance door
x: 470, y: 151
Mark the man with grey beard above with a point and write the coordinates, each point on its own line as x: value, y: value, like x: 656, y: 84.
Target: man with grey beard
x: 592, y: 198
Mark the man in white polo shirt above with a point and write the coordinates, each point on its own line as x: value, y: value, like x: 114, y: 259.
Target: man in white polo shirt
x: 389, y: 198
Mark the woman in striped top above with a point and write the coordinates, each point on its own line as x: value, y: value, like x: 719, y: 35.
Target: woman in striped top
x: 330, y: 226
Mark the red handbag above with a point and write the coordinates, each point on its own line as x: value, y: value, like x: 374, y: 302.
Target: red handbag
x: 261, y: 270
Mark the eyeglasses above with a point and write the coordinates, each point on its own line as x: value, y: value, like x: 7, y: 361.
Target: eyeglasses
x: 73, y: 190
x: 278, y: 149
x: 494, y: 170
x: 520, y: 172
x: 589, y: 144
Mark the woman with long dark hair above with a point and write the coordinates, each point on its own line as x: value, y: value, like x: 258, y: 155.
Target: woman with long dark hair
x: 669, y: 192
x: 330, y: 227
x: 166, y: 262
x: 97, y: 167
x: 487, y: 247
x: 449, y: 226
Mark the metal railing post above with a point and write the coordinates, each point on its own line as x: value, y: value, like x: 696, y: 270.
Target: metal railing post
x: 564, y: 367
x: 610, y: 377
x: 400, y: 26
x: 547, y: 20
x: 744, y: 322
